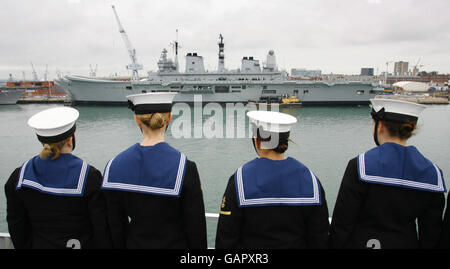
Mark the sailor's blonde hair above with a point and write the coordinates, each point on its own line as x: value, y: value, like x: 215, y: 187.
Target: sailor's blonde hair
x: 154, y: 120
x: 52, y: 149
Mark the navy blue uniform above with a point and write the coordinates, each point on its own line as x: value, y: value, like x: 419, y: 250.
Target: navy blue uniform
x: 383, y: 193
x: 154, y: 199
x: 56, y: 204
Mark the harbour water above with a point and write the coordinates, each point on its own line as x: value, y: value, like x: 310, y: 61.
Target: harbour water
x: 324, y: 138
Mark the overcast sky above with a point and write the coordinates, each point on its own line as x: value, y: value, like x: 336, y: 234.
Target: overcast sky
x: 338, y: 36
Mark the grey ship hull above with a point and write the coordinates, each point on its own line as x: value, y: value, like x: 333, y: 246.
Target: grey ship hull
x: 109, y: 92
x: 10, y: 96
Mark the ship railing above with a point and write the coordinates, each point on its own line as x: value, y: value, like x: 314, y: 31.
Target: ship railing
x: 212, y: 215
x: 5, y: 241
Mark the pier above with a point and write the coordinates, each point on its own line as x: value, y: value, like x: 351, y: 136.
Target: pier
x: 44, y: 100
x: 420, y: 99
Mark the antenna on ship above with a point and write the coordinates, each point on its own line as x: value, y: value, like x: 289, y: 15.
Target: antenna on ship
x: 134, y: 66
x: 221, y: 66
x: 176, y: 46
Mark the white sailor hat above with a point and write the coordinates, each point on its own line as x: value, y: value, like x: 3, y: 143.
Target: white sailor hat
x: 54, y: 124
x: 395, y: 110
x: 271, y: 121
x: 154, y: 102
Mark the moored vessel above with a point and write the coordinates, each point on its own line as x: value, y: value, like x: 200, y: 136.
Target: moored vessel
x: 9, y: 96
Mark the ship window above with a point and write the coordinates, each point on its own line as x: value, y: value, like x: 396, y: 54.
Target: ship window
x: 360, y: 92
x: 264, y: 87
x: 269, y: 91
x: 244, y: 87
x: 128, y: 88
x: 372, y: 91
x: 222, y: 89
x: 144, y: 91
x: 305, y: 91
x: 38, y: 84
x: 235, y: 87
x: 235, y: 90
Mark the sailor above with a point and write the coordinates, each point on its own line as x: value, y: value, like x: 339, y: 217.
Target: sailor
x: 153, y: 191
x: 385, y: 190
x: 54, y: 199
x: 272, y: 201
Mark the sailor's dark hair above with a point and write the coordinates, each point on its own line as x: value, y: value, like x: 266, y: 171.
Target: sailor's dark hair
x: 283, y: 138
x: 402, y: 130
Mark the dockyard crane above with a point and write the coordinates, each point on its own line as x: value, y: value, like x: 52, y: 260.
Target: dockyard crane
x: 46, y: 72
x: 134, y: 66
x: 416, y: 67
x: 35, y: 77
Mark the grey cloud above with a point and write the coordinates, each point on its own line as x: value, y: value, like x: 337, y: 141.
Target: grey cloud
x: 335, y: 36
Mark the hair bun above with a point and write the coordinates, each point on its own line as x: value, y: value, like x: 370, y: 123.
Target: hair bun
x: 281, y: 148
x: 156, y: 121
x: 406, y: 129
x: 402, y: 130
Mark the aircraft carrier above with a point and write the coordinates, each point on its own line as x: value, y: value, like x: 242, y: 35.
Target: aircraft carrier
x: 252, y: 82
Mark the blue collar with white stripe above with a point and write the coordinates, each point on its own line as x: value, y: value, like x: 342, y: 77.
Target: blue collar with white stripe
x: 397, y: 165
x: 264, y: 182
x: 157, y: 169
x: 64, y: 176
